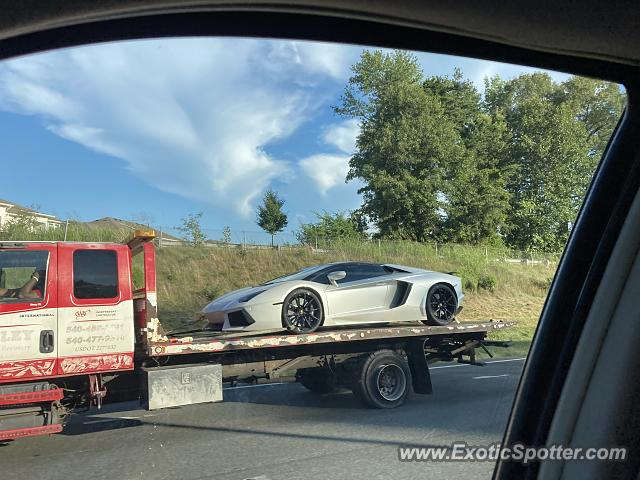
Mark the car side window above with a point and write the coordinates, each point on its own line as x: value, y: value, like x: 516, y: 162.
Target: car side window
x: 363, y: 271
x: 321, y: 276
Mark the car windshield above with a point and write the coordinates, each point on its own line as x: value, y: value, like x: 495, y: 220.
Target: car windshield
x: 176, y: 172
x: 300, y: 275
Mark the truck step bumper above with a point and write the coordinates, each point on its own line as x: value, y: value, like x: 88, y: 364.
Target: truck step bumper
x: 29, y: 432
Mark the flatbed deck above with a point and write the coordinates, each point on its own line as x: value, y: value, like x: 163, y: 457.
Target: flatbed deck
x: 221, y: 342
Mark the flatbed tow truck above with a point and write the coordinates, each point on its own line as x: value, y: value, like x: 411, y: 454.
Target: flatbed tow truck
x: 85, y: 336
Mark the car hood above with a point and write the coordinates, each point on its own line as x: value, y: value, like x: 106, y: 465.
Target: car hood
x: 228, y: 300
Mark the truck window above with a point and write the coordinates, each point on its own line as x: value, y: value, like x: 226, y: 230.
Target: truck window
x: 95, y: 274
x: 23, y: 275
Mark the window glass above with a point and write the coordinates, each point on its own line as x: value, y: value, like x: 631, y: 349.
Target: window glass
x: 23, y: 275
x: 363, y: 271
x: 321, y: 276
x: 304, y: 274
x: 95, y: 274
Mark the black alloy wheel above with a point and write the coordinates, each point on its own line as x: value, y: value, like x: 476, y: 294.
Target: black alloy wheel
x: 441, y: 305
x: 302, y: 311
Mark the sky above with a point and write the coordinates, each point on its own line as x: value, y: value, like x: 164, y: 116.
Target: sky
x: 154, y: 130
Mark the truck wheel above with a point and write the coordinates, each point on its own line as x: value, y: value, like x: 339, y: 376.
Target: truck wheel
x: 383, y: 379
x: 317, y: 380
x: 441, y: 305
x: 302, y: 311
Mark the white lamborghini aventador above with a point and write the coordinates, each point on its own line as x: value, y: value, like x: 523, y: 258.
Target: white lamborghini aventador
x: 339, y: 294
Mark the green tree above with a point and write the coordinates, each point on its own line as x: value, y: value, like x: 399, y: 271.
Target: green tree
x: 597, y: 104
x: 549, y: 158
x: 336, y: 226
x: 271, y: 218
x: 404, y: 143
x: 192, y: 230
x: 226, y: 234
x: 476, y: 200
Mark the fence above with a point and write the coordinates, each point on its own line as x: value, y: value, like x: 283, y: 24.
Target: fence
x: 246, y: 239
x: 367, y: 246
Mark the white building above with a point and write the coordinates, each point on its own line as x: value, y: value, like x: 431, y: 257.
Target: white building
x: 10, y: 210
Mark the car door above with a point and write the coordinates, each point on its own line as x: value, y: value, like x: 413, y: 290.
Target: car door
x: 362, y: 292
x: 28, y: 311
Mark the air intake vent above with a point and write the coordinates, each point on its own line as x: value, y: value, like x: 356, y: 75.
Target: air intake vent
x: 240, y: 319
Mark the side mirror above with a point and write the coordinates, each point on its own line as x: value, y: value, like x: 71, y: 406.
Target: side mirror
x: 333, y: 277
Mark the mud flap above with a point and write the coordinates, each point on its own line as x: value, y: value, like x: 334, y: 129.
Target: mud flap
x: 419, y: 367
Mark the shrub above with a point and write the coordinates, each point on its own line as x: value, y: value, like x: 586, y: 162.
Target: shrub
x: 487, y: 282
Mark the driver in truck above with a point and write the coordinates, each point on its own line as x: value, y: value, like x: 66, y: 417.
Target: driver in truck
x: 26, y: 291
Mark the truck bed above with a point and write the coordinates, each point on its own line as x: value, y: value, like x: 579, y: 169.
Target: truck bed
x: 220, y: 342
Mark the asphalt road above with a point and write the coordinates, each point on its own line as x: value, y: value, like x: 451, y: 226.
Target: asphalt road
x: 278, y: 431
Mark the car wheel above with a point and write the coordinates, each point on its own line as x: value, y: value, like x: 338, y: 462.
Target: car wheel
x: 302, y: 311
x: 383, y: 379
x: 441, y: 305
x: 317, y: 380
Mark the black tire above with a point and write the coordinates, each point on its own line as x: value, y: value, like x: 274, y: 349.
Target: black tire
x: 302, y: 311
x: 318, y: 380
x: 382, y: 379
x: 441, y: 305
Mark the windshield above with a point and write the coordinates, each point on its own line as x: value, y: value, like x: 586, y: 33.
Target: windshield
x: 251, y: 159
x: 300, y: 275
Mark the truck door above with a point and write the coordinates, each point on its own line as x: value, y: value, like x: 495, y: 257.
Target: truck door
x: 96, y: 309
x: 28, y: 311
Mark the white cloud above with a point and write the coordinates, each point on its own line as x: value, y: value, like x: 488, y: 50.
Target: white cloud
x: 189, y: 116
x: 343, y: 135
x: 325, y: 169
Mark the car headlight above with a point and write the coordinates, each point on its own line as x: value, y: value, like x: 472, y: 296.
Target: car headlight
x: 246, y: 298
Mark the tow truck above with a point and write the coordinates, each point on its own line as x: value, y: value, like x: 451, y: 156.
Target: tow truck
x: 84, y: 336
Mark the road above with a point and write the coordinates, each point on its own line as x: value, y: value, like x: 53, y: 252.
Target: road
x: 278, y: 431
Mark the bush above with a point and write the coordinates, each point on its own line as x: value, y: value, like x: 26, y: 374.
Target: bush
x: 487, y: 282
x: 469, y: 285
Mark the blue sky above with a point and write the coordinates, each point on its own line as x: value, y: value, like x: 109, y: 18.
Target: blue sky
x: 154, y: 130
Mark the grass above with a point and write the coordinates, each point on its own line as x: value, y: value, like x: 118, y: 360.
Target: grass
x: 189, y: 278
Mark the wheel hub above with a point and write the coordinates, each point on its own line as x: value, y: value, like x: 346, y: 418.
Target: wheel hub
x: 391, y: 382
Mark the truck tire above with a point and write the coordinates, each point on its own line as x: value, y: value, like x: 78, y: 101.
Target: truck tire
x: 441, y: 305
x: 317, y: 380
x: 382, y: 379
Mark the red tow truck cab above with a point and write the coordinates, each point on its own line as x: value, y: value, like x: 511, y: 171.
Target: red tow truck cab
x: 77, y: 322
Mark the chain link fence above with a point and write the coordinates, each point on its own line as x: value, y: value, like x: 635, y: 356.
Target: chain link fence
x: 247, y: 239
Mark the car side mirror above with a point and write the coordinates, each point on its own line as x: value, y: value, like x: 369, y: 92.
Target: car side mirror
x: 333, y: 277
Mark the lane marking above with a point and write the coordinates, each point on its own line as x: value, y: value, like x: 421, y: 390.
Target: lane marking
x: 450, y: 366
x: 489, y: 362
x: 508, y: 360
x: 490, y: 376
x: 258, y: 385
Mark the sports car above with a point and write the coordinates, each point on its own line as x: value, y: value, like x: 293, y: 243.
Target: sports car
x: 336, y: 294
